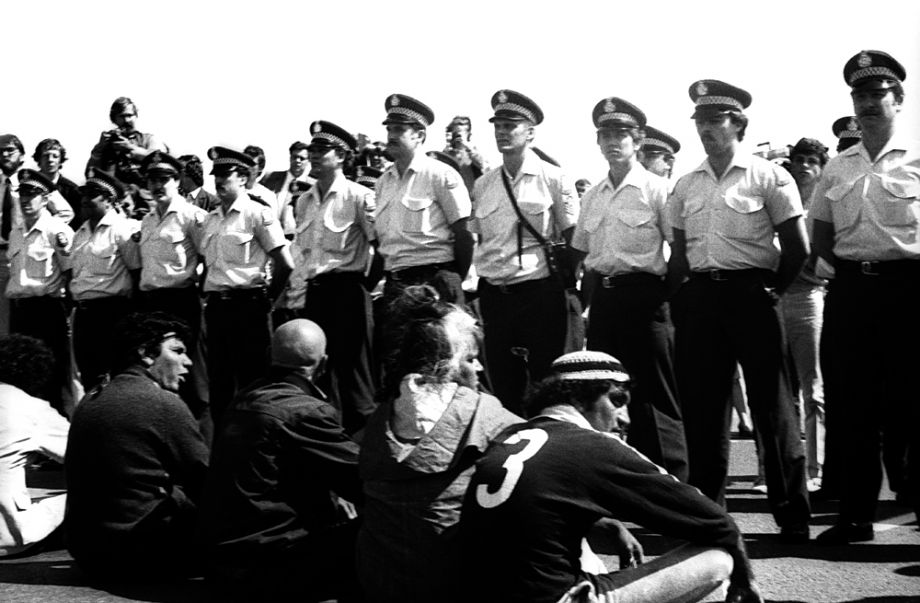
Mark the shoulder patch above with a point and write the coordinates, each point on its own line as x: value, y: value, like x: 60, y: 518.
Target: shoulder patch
x: 268, y: 216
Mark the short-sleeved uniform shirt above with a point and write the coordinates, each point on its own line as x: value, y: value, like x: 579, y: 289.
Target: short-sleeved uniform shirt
x: 545, y: 198
x: 102, y: 258
x: 236, y: 244
x: 730, y: 221
x: 169, y: 246
x: 623, y: 229
x: 873, y: 205
x: 415, y: 213
x: 333, y: 234
x: 37, y: 262
x: 540, y: 487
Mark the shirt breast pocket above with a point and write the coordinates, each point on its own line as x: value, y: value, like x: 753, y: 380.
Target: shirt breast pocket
x: 103, y: 263
x: 38, y: 263
x: 537, y: 214
x: 236, y: 247
x: 744, y: 217
x: 634, y: 230
x: 901, y: 206
x: 173, y: 242
x: 845, y: 207
x: 418, y: 215
x: 335, y: 229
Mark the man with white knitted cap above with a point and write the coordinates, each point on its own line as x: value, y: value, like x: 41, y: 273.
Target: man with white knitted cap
x: 543, y: 484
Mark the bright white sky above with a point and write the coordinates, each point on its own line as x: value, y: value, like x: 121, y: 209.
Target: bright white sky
x: 258, y: 72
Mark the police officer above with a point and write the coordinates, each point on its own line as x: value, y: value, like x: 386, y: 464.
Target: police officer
x: 621, y: 231
x: 422, y: 209
x: 237, y: 239
x: 39, y: 251
x: 104, y: 270
x: 523, y: 304
x: 724, y: 215
x: 847, y: 131
x: 333, y: 239
x: 657, y: 151
x: 865, y: 212
x: 168, y: 242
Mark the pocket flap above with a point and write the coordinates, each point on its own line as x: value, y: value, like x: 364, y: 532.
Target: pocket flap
x: 743, y: 204
x: 634, y: 217
x: 415, y: 204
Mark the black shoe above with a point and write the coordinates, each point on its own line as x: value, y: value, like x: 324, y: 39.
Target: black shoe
x: 794, y: 533
x: 845, y: 533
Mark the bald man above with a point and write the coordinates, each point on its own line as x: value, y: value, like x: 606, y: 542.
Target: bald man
x: 273, y: 518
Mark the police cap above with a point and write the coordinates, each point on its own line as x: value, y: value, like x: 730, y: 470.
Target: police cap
x: 515, y: 106
x: 327, y: 135
x: 656, y: 140
x: 616, y: 113
x: 402, y: 109
x: 715, y: 97
x: 873, y: 67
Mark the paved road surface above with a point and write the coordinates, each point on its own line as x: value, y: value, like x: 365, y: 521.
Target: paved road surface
x: 886, y: 570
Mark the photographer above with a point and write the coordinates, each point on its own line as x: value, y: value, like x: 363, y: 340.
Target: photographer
x: 121, y: 149
x: 472, y: 164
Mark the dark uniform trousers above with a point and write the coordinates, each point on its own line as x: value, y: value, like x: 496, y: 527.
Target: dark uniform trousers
x: 629, y: 320
x: 46, y: 318
x: 339, y: 303
x: 185, y: 303
x: 93, y: 333
x: 238, y: 332
x: 721, y: 318
x: 870, y: 357
x: 525, y: 327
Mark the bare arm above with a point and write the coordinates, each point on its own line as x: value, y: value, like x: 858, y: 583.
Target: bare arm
x: 463, y: 246
x: 793, y: 243
x: 678, y: 265
x: 283, y: 265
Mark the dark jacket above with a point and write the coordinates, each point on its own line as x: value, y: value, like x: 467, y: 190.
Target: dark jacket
x: 279, y: 455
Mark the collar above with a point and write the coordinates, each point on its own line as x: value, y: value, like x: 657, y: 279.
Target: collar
x: 567, y: 413
x: 897, y: 142
x: 237, y: 203
x: 42, y: 224
x: 108, y: 219
x: 636, y: 177
x: 741, y: 159
x: 296, y: 377
x: 337, y: 186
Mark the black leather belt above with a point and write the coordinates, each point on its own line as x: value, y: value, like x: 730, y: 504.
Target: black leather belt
x: 100, y: 302
x: 521, y: 287
x: 416, y: 273
x: 720, y: 276
x: 629, y: 278
x: 251, y: 294
x: 335, y: 278
x: 909, y: 268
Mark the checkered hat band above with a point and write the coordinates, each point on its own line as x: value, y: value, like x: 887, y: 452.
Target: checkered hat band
x: 851, y: 134
x: 654, y: 142
x: 413, y: 115
x: 594, y: 376
x: 366, y: 180
x: 331, y: 138
x: 617, y: 117
x: 228, y: 161
x: 103, y: 185
x: 719, y: 100
x: 515, y: 108
x: 34, y: 184
x: 871, y: 72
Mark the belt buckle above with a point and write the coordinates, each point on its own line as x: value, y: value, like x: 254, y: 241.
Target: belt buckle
x: 718, y: 275
x: 607, y: 282
x: 868, y: 268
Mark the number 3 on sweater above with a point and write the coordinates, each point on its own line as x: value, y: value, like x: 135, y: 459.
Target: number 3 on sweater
x: 513, y: 465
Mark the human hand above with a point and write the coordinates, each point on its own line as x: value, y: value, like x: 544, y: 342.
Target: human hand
x: 627, y: 548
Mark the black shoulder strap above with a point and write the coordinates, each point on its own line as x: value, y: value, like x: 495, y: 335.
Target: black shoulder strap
x: 523, y: 221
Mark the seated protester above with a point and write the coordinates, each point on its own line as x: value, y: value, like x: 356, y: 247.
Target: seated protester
x: 270, y: 519
x: 28, y: 425
x: 542, y: 484
x: 418, y: 451
x: 136, y: 461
